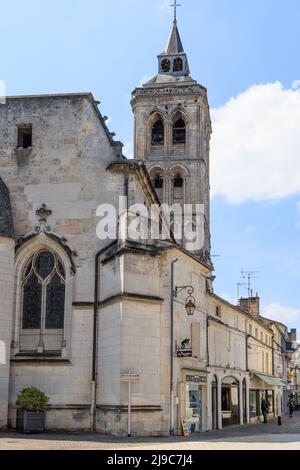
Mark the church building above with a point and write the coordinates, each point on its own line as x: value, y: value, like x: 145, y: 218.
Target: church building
x: 125, y: 336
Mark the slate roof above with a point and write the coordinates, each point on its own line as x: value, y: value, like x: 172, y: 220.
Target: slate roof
x: 174, y: 45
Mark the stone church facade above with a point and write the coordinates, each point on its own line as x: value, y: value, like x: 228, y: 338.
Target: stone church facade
x: 80, y: 317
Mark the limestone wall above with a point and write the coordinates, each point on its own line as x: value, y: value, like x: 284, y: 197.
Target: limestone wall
x: 6, y: 320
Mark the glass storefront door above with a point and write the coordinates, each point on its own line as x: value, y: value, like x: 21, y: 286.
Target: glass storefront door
x: 194, y: 408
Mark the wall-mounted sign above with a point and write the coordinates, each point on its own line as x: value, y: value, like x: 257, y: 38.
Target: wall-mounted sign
x: 199, y: 379
x: 185, y: 349
x: 184, y: 353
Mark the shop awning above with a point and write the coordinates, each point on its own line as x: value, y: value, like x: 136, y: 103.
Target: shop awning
x: 270, y: 380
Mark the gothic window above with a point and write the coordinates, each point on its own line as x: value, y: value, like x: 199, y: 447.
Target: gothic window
x: 179, y: 132
x: 158, y: 182
x: 44, y: 293
x: 178, y: 181
x: 158, y: 133
x: 166, y: 65
x: 178, y: 65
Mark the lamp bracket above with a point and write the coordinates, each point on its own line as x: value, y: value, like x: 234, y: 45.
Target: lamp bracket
x: 190, y: 290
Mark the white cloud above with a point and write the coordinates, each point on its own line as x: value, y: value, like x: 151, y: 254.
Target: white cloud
x: 256, y: 143
x: 295, y: 84
x: 128, y: 150
x: 283, y: 314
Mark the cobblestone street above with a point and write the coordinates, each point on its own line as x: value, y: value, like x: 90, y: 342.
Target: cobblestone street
x: 253, y: 437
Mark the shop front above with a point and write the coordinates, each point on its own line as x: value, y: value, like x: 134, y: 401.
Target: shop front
x: 230, y: 402
x: 192, y: 402
x: 268, y: 388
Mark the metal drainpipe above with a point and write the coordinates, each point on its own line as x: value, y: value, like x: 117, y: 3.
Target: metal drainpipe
x: 273, y: 358
x: 172, y: 395
x: 207, y: 341
x: 95, y: 325
x: 95, y: 336
x: 247, y: 353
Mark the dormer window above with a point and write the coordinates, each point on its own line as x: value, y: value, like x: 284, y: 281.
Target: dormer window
x: 25, y: 136
x: 178, y: 65
x: 158, y: 133
x: 166, y: 65
x: 179, y: 132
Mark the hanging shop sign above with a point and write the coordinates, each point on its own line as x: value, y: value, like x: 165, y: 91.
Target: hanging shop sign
x: 185, y: 349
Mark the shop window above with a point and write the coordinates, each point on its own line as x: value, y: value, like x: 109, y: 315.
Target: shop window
x: 270, y: 399
x: 194, y: 408
x: 253, y: 404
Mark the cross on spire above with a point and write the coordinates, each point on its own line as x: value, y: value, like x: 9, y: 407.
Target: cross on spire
x: 175, y: 5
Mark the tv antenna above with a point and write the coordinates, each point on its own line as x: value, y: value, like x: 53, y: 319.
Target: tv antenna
x: 239, y: 285
x: 249, y: 276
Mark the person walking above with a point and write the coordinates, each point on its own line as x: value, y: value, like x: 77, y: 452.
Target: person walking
x: 291, y: 405
x: 265, y: 409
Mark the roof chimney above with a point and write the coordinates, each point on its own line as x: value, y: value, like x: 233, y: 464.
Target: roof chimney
x: 251, y: 305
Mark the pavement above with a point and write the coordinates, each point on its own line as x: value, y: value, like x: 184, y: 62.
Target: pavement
x: 251, y: 437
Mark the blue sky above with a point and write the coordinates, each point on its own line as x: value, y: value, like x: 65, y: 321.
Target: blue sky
x: 246, y: 53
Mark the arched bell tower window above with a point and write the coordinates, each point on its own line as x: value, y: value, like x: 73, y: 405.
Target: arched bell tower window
x: 166, y: 65
x: 43, y: 303
x: 158, y: 182
x: 179, y: 132
x: 178, y: 181
x: 158, y: 133
x: 178, y: 65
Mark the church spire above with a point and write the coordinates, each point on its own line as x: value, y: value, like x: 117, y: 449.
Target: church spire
x: 174, y: 45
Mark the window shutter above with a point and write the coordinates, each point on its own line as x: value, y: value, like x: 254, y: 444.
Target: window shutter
x: 196, y: 339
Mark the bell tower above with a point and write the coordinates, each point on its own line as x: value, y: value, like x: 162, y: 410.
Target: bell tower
x: 172, y: 130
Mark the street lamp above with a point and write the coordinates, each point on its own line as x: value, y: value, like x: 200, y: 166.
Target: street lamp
x: 190, y: 302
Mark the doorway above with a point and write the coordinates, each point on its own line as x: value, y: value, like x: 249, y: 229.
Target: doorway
x: 230, y: 402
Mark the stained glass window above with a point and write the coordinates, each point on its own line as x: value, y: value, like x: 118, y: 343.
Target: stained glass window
x: 44, y: 264
x: 44, y: 293
x: 55, y: 304
x: 32, y: 303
